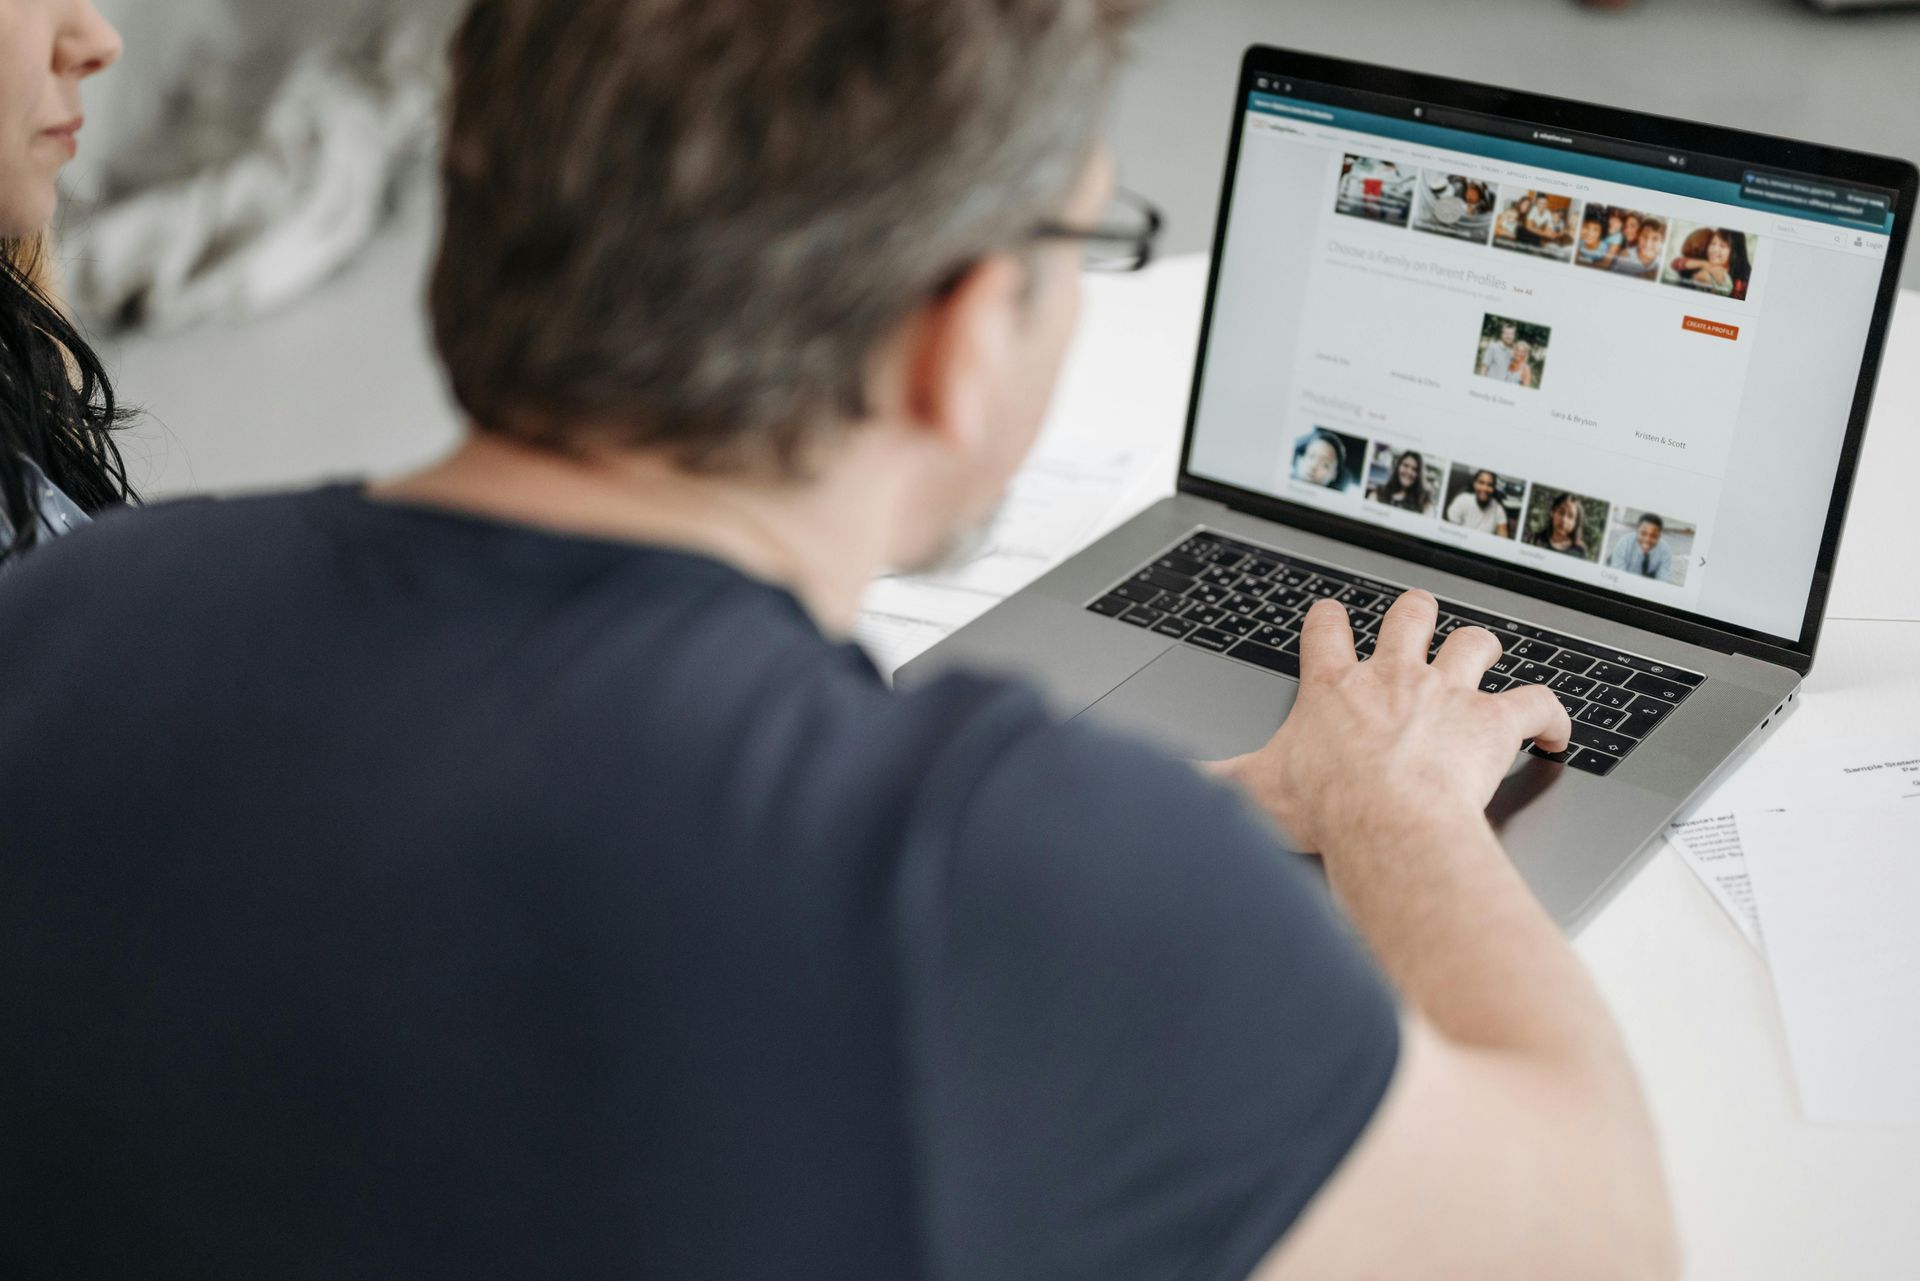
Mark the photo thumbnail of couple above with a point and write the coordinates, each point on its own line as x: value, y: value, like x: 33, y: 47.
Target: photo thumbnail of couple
x: 1512, y: 351
x: 1621, y: 241
x: 1637, y: 543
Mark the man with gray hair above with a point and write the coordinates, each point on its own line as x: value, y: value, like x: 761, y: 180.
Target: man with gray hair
x: 504, y: 871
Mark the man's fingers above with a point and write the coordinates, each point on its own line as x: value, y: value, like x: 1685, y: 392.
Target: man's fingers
x: 1534, y: 713
x: 1466, y: 655
x: 1326, y: 641
x: 1407, y: 629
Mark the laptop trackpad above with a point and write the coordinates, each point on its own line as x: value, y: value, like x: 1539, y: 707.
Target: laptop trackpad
x: 1198, y: 705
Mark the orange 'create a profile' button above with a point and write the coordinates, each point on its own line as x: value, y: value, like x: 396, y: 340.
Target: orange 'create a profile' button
x: 1694, y: 324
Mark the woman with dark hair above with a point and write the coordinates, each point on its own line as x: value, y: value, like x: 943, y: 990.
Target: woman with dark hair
x: 58, y: 462
x: 1715, y: 259
x: 1405, y: 486
x: 1564, y: 529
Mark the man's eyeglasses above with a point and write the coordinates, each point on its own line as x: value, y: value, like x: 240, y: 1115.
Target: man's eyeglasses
x: 1124, y: 240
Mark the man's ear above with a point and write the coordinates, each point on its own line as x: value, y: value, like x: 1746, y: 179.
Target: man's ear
x: 962, y: 349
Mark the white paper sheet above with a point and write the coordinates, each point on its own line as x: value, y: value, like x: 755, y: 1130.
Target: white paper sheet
x: 1062, y: 499
x: 1838, y: 887
x: 1708, y: 837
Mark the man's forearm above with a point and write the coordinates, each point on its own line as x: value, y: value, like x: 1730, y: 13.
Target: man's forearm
x: 1457, y: 930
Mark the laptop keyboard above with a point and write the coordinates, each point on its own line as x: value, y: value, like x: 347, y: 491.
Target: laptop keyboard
x: 1247, y: 602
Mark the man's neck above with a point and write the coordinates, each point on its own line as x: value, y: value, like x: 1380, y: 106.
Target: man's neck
x: 791, y: 535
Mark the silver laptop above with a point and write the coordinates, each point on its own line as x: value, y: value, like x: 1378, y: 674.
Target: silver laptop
x: 1597, y: 380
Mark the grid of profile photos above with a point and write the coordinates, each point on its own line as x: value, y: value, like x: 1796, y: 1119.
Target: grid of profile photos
x: 1637, y: 244
x: 1637, y: 542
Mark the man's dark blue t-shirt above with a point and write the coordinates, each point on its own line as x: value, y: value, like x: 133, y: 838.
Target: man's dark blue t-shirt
x: 392, y: 893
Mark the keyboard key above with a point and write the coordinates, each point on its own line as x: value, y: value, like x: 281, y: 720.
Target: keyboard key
x: 1323, y: 587
x: 1203, y: 614
x: 1505, y: 665
x: 1111, y: 605
x: 1143, y: 616
x: 1566, y: 682
x: 1690, y: 679
x: 1165, y: 581
x: 1609, y: 696
x: 1494, y: 683
x: 1207, y: 593
x: 1538, y: 651
x: 1611, y: 673
x: 1643, y: 714
x: 1609, y: 718
x: 1220, y: 577
x: 1364, y: 622
x: 1358, y: 598
x: 1656, y: 687
x: 1363, y: 645
x: 1273, y: 660
x: 1533, y: 674
x: 1208, y: 638
x: 1178, y: 628
x: 1568, y: 661
x: 1277, y: 637
x: 1241, y: 603
x: 1263, y: 566
x: 1534, y: 749
x: 1237, y: 625
x: 1174, y: 563
x: 1593, y: 762
x: 1593, y: 738
x: 1573, y: 705
x: 1289, y: 598
x: 1137, y: 592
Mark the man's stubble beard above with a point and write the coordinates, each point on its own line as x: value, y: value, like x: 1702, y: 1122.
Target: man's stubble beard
x: 961, y: 547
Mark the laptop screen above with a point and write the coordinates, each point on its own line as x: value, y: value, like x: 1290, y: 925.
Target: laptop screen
x: 1625, y: 367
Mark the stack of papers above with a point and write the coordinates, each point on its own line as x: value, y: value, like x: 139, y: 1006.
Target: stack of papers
x: 1815, y: 854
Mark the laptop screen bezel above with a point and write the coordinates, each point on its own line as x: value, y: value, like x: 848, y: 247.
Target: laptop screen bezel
x: 1734, y: 145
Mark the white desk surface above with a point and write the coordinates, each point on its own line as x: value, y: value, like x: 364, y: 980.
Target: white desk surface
x: 1761, y: 1194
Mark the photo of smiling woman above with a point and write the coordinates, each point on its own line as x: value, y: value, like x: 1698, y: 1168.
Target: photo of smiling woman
x: 1404, y: 479
x: 59, y: 465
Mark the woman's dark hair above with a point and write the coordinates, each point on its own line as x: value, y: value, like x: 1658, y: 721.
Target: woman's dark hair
x: 1544, y: 535
x: 1415, y: 495
x: 57, y: 407
x: 1333, y: 442
x: 1739, y: 266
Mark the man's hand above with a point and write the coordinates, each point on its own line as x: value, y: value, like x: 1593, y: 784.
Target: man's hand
x: 1370, y: 747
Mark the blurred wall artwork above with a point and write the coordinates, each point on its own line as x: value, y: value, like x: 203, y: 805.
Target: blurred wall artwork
x: 243, y: 151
